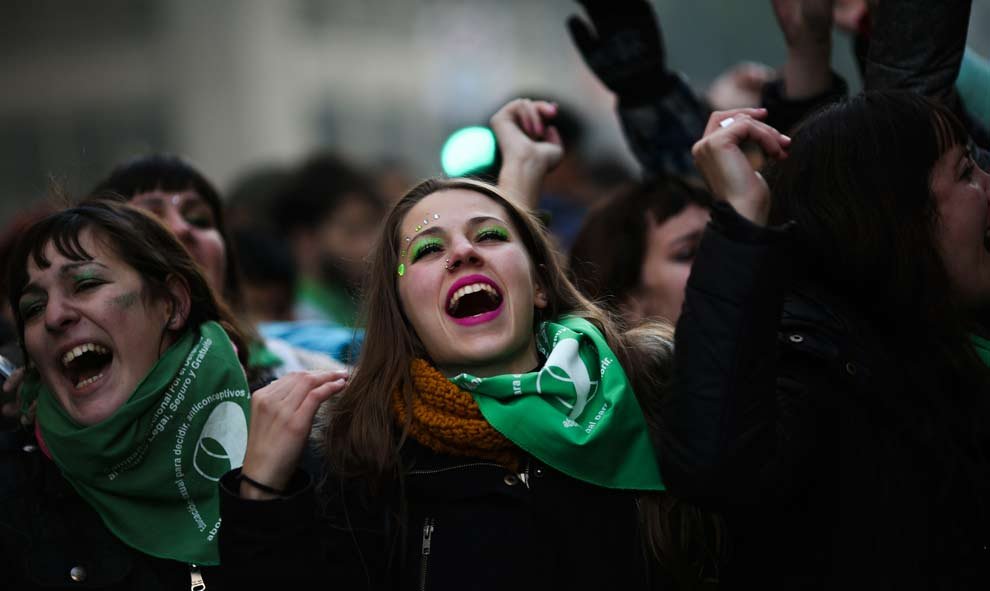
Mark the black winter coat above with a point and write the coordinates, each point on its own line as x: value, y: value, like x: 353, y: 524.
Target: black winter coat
x: 50, y: 538
x: 468, y: 524
x: 785, y: 416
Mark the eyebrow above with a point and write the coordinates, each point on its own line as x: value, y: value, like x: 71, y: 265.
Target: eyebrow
x: 70, y: 267
x: 32, y: 288
x: 695, y: 235
x: 477, y: 220
x: 156, y: 200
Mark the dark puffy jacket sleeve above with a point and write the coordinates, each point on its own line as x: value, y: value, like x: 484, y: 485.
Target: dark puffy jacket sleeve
x: 662, y: 131
x: 734, y: 427
x: 918, y: 45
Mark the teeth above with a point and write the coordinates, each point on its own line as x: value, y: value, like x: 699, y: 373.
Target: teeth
x: 468, y: 289
x: 76, y: 352
x: 88, y: 381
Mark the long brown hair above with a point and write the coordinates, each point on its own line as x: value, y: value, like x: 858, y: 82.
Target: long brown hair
x: 362, y: 440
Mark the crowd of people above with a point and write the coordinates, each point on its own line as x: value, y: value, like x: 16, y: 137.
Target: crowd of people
x: 761, y: 364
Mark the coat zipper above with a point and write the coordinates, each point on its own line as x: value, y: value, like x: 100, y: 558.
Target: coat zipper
x: 196, y: 579
x: 428, y: 526
x: 524, y: 475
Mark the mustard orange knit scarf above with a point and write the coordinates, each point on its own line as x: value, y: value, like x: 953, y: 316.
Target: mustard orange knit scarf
x: 447, y: 419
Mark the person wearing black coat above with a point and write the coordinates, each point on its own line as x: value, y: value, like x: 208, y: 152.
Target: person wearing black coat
x: 58, y: 541
x: 829, y: 395
x: 468, y: 524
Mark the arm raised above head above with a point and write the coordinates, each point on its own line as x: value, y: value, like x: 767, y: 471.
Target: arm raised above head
x: 531, y: 147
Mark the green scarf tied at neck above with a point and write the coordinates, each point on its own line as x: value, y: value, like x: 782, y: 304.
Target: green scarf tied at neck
x: 982, y: 347
x: 578, y: 413
x: 151, y: 469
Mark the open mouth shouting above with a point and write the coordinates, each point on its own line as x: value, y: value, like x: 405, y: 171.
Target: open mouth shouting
x: 474, y: 299
x: 85, y: 364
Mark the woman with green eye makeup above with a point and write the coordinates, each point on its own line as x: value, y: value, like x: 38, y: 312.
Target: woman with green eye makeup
x: 497, y: 431
x: 136, y: 370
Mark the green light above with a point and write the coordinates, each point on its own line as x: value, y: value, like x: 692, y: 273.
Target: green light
x: 467, y: 150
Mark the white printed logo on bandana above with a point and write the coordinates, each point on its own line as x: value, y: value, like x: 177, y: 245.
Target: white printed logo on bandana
x: 564, y: 365
x: 222, y: 442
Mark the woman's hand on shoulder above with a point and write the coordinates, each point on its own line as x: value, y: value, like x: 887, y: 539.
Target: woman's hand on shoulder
x: 726, y: 168
x: 281, y: 418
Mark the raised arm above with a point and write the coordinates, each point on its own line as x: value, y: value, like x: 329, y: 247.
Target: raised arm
x: 807, y: 81
x: 660, y: 114
x: 720, y: 420
x: 918, y: 45
x: 530, y: 145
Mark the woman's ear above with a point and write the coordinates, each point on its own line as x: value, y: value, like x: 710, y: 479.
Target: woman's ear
x: 179, y: 302
x: 540, y: 300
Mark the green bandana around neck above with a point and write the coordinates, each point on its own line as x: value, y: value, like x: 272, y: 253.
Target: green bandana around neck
x: 151, y: 469
x: 578, y: 413
x: 982, y: 347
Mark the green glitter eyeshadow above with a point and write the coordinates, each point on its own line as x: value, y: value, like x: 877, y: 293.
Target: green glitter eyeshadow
x: 497, y: 231
x: 422, y: 245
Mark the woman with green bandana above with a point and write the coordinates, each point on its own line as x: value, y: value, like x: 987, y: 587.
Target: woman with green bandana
x: 497, y: 432
x: 136, y: 370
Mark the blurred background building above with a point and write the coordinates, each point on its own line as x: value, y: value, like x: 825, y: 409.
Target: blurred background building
x: 236, y: 84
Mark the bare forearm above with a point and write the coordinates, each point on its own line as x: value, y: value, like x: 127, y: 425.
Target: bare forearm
x: 521, y: 180
x: 807, y: 72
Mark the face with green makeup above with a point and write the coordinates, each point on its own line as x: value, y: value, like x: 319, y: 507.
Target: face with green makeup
x: 91, y: 328
x: 469, y: 288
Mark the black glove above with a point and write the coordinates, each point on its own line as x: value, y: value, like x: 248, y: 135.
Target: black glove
x: 627, y: 53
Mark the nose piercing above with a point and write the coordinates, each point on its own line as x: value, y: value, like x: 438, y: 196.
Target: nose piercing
x: 446, y: 265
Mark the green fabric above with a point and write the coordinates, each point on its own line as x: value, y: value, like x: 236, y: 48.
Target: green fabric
x: 973, y: 86
x: 151, y: 469
x: 335, y: 303
x: 578, y: 413
x: 982, y: 347
x: 260, y: 356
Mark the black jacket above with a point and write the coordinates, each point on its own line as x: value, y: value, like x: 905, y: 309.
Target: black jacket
x: 467, y: 524
x: 50, y: 538
x: 785, y: 415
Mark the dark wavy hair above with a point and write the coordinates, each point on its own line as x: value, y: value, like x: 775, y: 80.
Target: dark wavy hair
x: 140, y: 240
